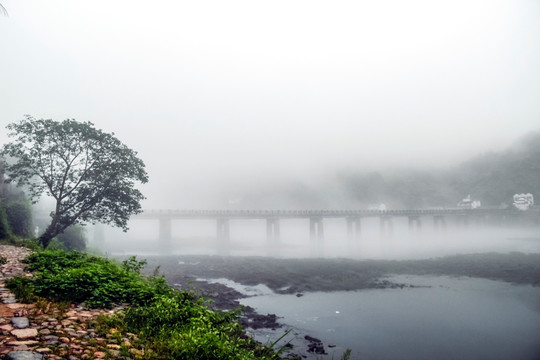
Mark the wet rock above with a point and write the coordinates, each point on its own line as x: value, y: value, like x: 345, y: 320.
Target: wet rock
x: 20, y: 322
x: 315, y: 345
x: 23, y: 355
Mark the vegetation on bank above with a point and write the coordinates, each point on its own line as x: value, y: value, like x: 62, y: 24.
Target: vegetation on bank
x: 169, y: 323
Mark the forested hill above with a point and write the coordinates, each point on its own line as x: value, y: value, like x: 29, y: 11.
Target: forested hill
x: 495, y: 177
x: 492, y: 178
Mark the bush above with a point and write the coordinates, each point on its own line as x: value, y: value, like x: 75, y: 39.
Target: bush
x: 73, y: 238
x: 99, y: 282
x: 19, y: 216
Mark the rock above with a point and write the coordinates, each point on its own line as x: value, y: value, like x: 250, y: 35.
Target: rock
x: 99, y: 355
x: 20, y: 322
x: 24, y: 333
x: 43, y: 350
x: 6, y: 327
x: 23, y: 355
x: 24, y: 342
x: 16, y: 306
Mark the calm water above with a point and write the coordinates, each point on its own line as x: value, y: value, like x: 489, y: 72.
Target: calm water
x: 444, y: 318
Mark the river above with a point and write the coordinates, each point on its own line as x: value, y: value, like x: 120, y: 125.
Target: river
x: 431, y: 318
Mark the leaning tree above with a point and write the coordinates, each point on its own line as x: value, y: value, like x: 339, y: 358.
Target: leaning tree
x: 90, y: 174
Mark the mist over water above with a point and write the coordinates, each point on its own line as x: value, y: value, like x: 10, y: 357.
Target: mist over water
x: 248, y: 238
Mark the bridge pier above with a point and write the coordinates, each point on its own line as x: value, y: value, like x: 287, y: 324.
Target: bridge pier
x: 462, y: 220
x: 272, y: 230
x: 385, y: 224
x: 353, y: 227
x: 439, y: 221
x: 165, y: 230
x: 222, y: 230
x: 415, y: 220
x: 316, y: 228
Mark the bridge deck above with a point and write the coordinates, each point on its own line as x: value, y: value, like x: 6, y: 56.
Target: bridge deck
x: 264, y: 214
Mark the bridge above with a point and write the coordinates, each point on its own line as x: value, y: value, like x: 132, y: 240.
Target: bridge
x: 353, y: 219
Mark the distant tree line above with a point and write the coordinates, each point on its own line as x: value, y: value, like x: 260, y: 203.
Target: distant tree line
x: 492, y: 178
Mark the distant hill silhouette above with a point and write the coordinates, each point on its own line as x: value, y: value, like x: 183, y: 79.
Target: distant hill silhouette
x: 492, y: 178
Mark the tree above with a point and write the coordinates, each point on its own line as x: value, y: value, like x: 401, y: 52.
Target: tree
x: 90, y: 174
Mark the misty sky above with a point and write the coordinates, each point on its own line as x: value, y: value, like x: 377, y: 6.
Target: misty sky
x: 218, y: 92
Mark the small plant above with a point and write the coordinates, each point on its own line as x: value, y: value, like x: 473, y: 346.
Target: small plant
x: 22, y: 288
x: 3, y: 260
x: 134, y: 265
x: 346, y: 355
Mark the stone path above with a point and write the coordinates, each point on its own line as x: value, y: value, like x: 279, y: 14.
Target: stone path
x: 44, y: 330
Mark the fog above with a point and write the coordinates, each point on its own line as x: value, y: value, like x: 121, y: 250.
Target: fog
x: 218, y: 97
x: 248, y: 238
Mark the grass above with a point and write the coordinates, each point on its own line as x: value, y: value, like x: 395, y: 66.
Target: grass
x: 169, y: 323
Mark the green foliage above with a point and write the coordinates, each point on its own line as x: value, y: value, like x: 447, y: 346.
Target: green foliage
x: 179, y: 326
x: 79, y: 277
x: 55, y: 244
x: 346, y: 355
x: 22, y: 288
x: 73, y: 238
x: 90, y: 174
x: 3, y: 260
x: 19, y: 216
x: 31, y: 244
x: 170, y: 324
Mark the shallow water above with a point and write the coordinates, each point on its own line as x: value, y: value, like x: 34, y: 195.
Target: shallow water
x: 441, y: 318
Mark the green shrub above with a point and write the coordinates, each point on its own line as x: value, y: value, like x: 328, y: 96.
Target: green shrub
x: 73, y: 238
x: 99, y: 282
x: 22, y: 288
x: 3, y: 260
x: 31, y: 244
x: 56, y: 245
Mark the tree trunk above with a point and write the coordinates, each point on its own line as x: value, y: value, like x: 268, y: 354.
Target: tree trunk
x: 47, y: 236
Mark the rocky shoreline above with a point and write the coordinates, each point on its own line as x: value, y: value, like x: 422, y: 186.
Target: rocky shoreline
x: 43, y: 330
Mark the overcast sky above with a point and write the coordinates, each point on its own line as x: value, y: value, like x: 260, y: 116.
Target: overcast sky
x: 219, y: 92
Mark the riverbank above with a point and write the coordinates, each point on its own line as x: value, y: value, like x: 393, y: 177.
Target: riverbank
x: 104, y: 309
x: 46, y: 330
